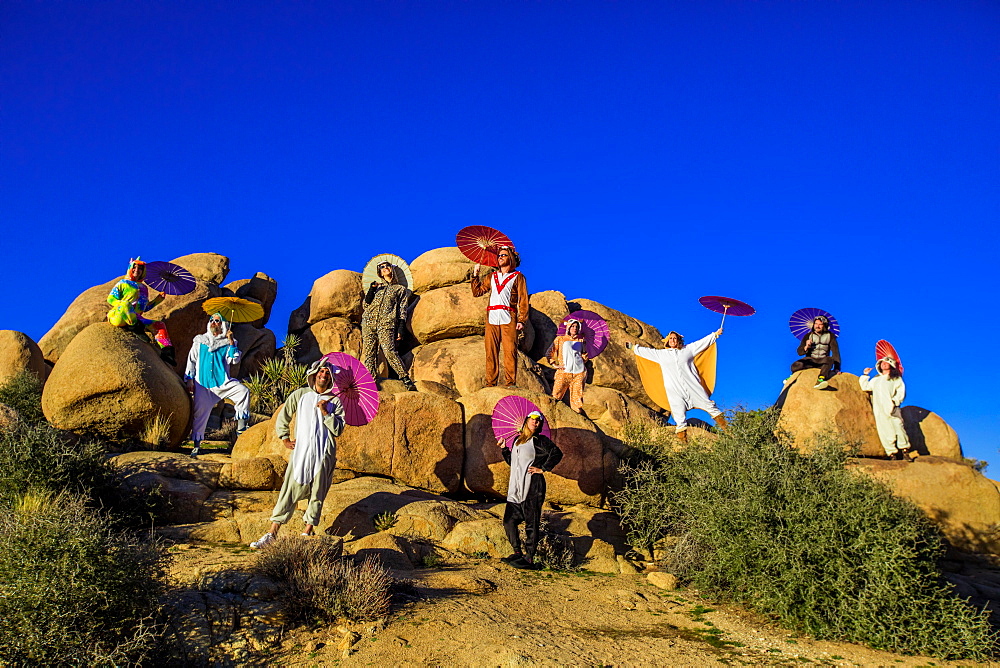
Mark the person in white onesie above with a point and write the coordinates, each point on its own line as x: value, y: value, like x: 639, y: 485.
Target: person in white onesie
x: 888, y: 392
x: 208, y: 380
x: 681, y: 380
x: 319, y: 419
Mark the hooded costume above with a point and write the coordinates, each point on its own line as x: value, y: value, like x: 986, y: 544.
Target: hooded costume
x: 129, y: 300
x: 208, y: 368
x: 508, y: 306
x: 570, y: 354
x: 822, y: 354
x: 887, y: 395
x: 310, y: 469
x: 681, y: 380
x: 526, y: 491
x: 384, y: 318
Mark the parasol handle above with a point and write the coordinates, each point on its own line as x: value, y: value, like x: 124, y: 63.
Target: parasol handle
x: 725, y: 310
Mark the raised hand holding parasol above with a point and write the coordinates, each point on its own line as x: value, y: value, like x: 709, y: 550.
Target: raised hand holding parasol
x: 801, y: 322
x: 355, y: 388
x: 508, y: 418
x: 169, y: 278
x: 481, y: 244
x: 234, y: 309
x: 726, y: 306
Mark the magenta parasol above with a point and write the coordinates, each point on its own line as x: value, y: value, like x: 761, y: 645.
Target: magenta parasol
x: 508, y: 418
x: 884, y: 349
x: 726, y: 306
x: 594, y: 329
x: 801, y: 322
x: 355, y: 387
x: 481, y: 244
x: 169, y: 278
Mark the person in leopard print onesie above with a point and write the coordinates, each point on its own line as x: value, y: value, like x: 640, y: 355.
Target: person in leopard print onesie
x: 383, y: 321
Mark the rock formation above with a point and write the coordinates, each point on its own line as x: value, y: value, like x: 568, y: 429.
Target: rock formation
x: 19, y: 353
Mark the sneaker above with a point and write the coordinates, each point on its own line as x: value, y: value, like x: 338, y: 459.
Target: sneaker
x: 263, y: 541
x: 511, y: 558
x: 822, y: 384
x: 241, y: 426
x: 523, y: 564
x: 196, y: 451
x: 786, y: 381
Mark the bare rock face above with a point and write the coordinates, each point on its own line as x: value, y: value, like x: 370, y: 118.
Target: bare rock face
x: 336, y: 295
x: 261, y: 288
x: 612, y: 410
x: 207, y: 267
x: 440, y: 268
x: 90, y: 307
x: 256, y: 345
x: 259, y: 473
x: 645, y: 333
x: 929, y: 434
x: 960, y: 500
x: 333, y: 335
x: 578, y: 478
x: 168, y: 465
x: 842, y: 410
x: 461, y: 364
x: 548, y: 309
x: 19, y: 353
x: 110, y: 383
x: 449, y: 313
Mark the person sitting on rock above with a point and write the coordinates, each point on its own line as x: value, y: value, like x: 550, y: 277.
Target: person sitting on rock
x: 888, y: 392
x: 383, y: 322
x: 505, y: 315
x: 821, y: 351
x: 319, y: 419
x: 530, y: 455
x: 568, y: 356
x: 208, y: 380
x: 681, y: 380
x: 129, y: 299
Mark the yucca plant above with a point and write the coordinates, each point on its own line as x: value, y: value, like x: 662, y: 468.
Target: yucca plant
x: 277, y: 378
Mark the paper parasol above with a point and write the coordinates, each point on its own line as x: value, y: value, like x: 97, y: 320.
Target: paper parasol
x: 402, y: 270
x: 169, y: 278
x: 508, y: 418
x: 727, y: 306
x: 594, y: 330
x: 884, y: 349
x: 481, y: 244
x: 355, y: 387
x: 234, y: 309
x: 801, y: 322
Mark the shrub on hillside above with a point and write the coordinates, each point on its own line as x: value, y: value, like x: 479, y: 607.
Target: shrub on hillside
x: 828, y: 552
x: 73, y: 591
x: 23, y: 393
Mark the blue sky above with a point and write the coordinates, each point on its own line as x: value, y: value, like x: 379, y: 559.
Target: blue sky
x: 790, y: 154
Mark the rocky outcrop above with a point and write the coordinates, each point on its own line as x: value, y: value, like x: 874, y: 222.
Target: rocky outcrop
x: 206, y: 267
x: 260, y: 288
x: 929, y: 434
x: 336, y: 295
x: 460, y: 364
x: 440, y: 268
x: 333, y: 335
x: 448, y: 313
x: 90, y: 307
x: 548, y: 309
x: 110, y: 383
x: 19, y: 353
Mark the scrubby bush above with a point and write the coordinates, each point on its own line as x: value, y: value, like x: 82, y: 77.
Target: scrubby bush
x: 73, y: 591
x: 322, y: 584
x: 554, y: 549
x: 23, y: 393
x: 278, y: 377
x: 798, y: 536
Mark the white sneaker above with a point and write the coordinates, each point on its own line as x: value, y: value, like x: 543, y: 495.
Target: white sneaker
x: 821, y: 385
x: 786, y: 381
x: 263, y: 541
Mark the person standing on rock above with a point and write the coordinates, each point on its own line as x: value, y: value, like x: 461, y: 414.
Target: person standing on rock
x: 208, y: 380
x: 505, y: 315
x: 568, y: 356
x: 530, y: 456
x: 129, y: 299
x: 821, y: 351
x: 888, y: 393
x: 681, y: 380
x: 383, y: 322
x: 319, y: 419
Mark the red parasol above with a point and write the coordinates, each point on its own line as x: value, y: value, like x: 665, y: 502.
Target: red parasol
x: 727, y: 306
x: 884, y: 349
x: 594, y: 329
x: 481, y: 244
x: 801, y: 322
x: 508, y: 418
x: 355, y: 387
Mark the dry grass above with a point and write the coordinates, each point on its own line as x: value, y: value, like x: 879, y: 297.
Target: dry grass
x: 156, y: 431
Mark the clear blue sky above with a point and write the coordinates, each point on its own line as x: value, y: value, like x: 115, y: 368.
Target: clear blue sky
x: 842, y: 155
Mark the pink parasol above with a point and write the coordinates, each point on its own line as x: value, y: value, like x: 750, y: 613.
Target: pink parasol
x: 508, y: 418
x: 884, y: 349
x: 801, y: 322
x: 355, y: 387
x: 727, y: 306
x: 594, y: 329
x: 481, y: 244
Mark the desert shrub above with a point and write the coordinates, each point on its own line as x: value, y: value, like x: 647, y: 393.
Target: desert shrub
x: 278, y: 377
x: 826, y: 551
x: 554, y: 549
x: 385, y: 520
x: 72, y: 590
x: 322, y: 584
x: 23, y: 393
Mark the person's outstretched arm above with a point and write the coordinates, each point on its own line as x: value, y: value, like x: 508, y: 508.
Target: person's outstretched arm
x: 703, y: 343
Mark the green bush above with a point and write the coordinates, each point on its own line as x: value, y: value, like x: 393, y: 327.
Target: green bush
x: 826, y: 551
x: 23, y: 393
x: 73, y: 591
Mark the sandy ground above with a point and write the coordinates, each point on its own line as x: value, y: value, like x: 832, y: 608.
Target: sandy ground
x: 480, y: 612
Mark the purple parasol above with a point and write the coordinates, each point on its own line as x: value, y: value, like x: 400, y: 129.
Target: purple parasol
x: 594, y: 329
x: 355, y: 387
x: 508, y: 418
x: 726, y: 306
x: 169, y: 278
x: 801, y: 322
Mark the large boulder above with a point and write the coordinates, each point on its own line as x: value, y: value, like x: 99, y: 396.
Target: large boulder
x: 611, y: 410
x: 929, y: 434
x: 261, y: 288
x: 90, y: 307
x: 333, y: 335
x: 168, y: 465
x: 207, y: 267
x: 448, y: 313
x: 842, y: 410
x: 440, y: 268
x: 580, y: 476
x: 644, y: 333
x: 461, y: 364
x: 19, y: 353
x: 960, y: 500
x: 548, y: 309
x: 336, y: 295
x: 257, y: 345
x: 110, y: 383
